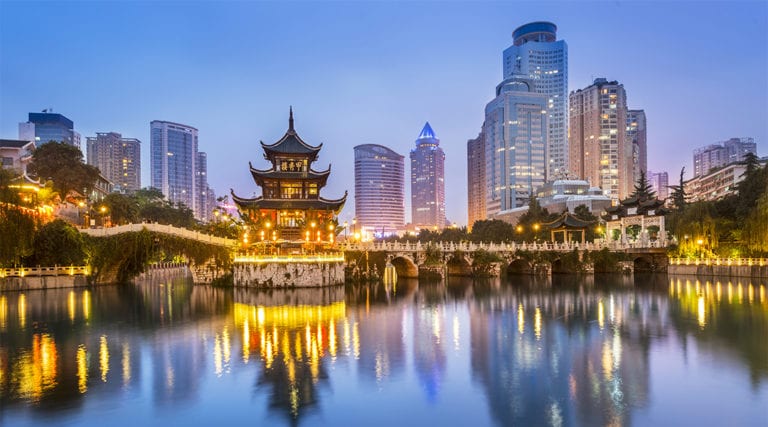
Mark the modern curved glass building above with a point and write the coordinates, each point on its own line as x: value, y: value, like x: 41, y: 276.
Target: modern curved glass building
x: 379, y: 188
x: 537, y: 54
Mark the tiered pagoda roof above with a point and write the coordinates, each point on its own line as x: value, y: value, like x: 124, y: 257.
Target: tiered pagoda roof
x: 290, y: 144
x: 635, y: 205
x: 290, y: 204
x: 567, y: 220
x: 259, y: 175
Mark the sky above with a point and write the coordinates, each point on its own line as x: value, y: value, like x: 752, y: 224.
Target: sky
x: 371, y: 72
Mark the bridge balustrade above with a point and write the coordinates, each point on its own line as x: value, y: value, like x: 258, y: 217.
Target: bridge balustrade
x: 160, y: 228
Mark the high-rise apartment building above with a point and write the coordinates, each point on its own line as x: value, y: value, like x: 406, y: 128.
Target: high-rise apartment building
x: 660, y: 183
x: 515, y: 132
x: 173, y: 163
x: 476, y: 180
x: 721, y: 154
x: 428, y: 181
x: 46, y: 127
x: 118, y: 159
x: 638, y: 136
x: 599, y: 149
x: 537, y: 54
x: 204, y: 206
x: 379, y: 188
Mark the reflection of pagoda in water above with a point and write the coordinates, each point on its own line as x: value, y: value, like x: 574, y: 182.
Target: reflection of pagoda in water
x: 290, y: 208
x: 292, y: 342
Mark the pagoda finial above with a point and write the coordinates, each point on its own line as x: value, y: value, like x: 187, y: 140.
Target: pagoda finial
x: 290, y: 118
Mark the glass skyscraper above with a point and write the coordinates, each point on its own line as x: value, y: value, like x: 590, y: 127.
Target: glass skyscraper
x: 173, y: 163
x: 379, y: 188
x: 46, y: 127
x: 537, y: 54
x: 428, y: 181
x: 515, y: 131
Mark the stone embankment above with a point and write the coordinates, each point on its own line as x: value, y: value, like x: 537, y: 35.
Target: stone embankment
x: 741, y: 267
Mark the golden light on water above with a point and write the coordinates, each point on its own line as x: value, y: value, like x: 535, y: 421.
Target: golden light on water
x: 82, y: 369
x: 103, y: 358
x: 537, y: 323
x: 217, y: 364
x: 702, y: 312
x: 520, y: 319
x: 87, y: 305
x: 126, y: 362
x: 3, y: 312
x: 246, y: 341
x: 22, y: 310
x: 600, y: 314
x: 35, y: 371
x: 71, y: 306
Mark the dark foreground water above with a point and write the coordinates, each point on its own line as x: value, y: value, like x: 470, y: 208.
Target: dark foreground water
x: 606, y: 351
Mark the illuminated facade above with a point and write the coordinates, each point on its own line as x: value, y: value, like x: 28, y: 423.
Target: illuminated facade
x: 537, y: 54
x: 428, y: 181
x: 290, y: 209
x: 476, y: 180
x: 118, y: 159
x: 379, y: 188
x: 638, y: 137
x: 721, y: 154
x: 45, y: 127
x: 173, y: 162
x: 660, y: 183
x: 515, y: 132
x: 599, y: 149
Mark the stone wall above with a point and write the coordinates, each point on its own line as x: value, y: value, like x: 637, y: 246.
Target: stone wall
x: 41, y: 282
x: 288, y: 275
x: 755, y: 271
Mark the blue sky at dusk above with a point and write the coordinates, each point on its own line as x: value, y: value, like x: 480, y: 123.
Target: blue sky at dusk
x: 360, y: 73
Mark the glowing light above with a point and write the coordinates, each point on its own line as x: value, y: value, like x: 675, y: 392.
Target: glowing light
x: 217, y: 365
x: 246, y: 341
x: 456, y: 332
x: 537, y: 323
x: 520, y: 319
x: 356, y: 341
x: 103, y: 358
x: 702, y: 312
x: 71, y: 306
x: 3, y: 312
x: 82, y: 369
x: 126, y: 364
x: 600, y: 314
x: 87, y: 305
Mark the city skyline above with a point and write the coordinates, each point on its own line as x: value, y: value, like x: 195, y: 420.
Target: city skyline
x: 238, y: 79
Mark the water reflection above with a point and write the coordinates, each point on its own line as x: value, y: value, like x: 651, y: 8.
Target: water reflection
x: 566, y: 350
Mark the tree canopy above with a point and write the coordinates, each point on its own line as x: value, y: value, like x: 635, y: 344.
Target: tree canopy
x: 63, y: 164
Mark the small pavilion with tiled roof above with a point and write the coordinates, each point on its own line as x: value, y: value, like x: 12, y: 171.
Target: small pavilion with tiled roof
x: 290, y: 208
x: 573, y: 229
x: 635, y: 211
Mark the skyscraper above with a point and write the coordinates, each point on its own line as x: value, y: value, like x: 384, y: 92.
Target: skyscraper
x: 721, y: 154
x: 118, y: 159
x: 428, y: 181
x: 476, y: 180
x: 638, y: 136
x: 379, y: 188
x: 537, y: 54
x: 599, y: 149
x: 173, y: 162
x: 45, y: 127
x: 660, y: 183
x: 204, y: 207
x: 515, y: 131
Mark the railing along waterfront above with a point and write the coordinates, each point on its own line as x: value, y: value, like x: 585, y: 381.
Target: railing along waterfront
x: 500, y: 247
x: 720, y: 261
x: 160, y: 228
x: 45, y: 271
x: 293, y: 258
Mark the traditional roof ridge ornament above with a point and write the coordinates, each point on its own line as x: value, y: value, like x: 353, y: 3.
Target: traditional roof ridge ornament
x: 290, y: 119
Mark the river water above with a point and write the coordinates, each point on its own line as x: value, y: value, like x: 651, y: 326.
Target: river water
x: 569, y: 351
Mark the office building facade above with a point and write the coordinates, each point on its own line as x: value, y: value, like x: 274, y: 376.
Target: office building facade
x: 659, y: 181
x: 638, y: 137
x: 118, y: 159
x: 173, y: 162
x: 45, y: 127
x: 721, y: 154
x: 379, y: 189
x: 428, y: 181
x: 537, y: 54
x: 476, y: 189
x: 599, y: 148
x: 515, y: 132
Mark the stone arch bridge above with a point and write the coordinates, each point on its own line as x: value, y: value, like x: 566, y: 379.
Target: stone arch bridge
x: 458, y: 259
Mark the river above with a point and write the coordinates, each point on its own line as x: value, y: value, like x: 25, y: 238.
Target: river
x: 609, y: 350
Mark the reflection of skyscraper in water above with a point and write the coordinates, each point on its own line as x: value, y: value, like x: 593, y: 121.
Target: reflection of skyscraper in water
x: 544, y: 360
x: 382, y: 350
x: 428, y: 351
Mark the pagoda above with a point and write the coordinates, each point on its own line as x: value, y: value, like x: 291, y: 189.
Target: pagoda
x: 290, y: 212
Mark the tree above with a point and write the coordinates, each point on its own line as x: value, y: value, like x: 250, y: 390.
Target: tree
x: 678, y: 193
x: 123, y: 209
x: 492, y: 230
x: 529, y: 225
x: 58, y: 243
x: 63, y: 164
x: 643, y: 190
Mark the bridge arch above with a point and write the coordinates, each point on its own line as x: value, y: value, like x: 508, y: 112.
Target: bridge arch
x: 644, y: 264
x: 459, y: 265
x: 519, y: 266
x: 405, y: 267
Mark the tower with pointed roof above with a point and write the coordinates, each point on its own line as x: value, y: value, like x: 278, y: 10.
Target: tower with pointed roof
x: 428, y: 181
x: 290, y: 209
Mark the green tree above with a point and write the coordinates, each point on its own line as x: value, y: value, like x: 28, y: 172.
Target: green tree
x: 63, y: 164
x: 492, y: 230
x: 643, y: 190
x: 529, y: 226
x: 122, y: 208
x: 678, y: 196
x: 58, y: 243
